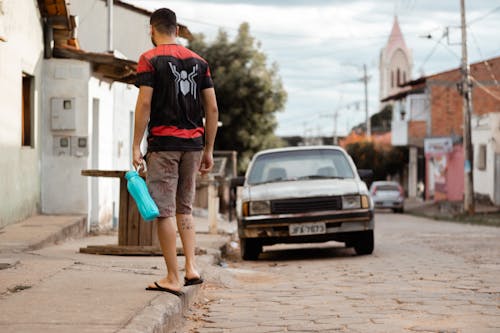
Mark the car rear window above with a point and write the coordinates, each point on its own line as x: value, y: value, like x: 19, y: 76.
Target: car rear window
x: 300, y: 164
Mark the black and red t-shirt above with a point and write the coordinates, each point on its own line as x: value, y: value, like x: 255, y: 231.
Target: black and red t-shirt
x: 177, y: 75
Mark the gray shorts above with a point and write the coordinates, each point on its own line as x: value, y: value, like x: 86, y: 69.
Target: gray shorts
x: 171, y: 180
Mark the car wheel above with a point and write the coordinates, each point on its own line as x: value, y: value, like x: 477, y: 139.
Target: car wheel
x: 250, y: 249
x: 364, y: 243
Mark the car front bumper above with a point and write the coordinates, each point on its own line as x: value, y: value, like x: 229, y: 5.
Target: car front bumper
x: 388, y: 204
x: 277, y: 226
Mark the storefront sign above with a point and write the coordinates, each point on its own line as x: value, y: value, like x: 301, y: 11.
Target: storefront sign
x: 438, y: 145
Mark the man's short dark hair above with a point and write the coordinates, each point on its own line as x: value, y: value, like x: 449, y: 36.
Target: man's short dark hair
x: 164, y: 21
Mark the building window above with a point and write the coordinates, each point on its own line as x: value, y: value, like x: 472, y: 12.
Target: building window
x: 392, y: 79
x: 27, y: 121
x: 481, y: 157
x: 404, y: 77
x: 398, y: 77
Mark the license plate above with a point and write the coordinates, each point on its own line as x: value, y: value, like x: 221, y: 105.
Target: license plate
x: 307, y: 229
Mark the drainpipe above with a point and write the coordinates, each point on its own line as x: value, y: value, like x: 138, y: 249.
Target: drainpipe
x: 110, y: 26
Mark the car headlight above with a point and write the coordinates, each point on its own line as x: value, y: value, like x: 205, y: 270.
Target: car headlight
x: 351, y: 202
x: 259, y: 207
x: 365, y: 201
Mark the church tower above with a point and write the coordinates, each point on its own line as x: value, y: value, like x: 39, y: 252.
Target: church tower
x: 395, y: 63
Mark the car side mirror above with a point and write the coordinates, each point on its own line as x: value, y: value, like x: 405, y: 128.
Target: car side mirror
x: 237, y: 181
x: 365, y: 174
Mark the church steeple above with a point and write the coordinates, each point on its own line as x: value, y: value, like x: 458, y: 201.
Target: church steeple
x: 395, y: 62
x: 396, y: 37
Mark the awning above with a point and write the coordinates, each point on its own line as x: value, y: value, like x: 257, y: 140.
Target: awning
x: 105, y: 64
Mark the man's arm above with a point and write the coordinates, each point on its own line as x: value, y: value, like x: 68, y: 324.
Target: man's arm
x: 211, y: 120
x: 142, y: 113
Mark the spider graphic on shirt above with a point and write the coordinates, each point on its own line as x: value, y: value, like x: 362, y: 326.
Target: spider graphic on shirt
x: 184, y: 81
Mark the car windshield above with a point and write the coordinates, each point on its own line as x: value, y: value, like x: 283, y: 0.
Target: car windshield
x: 300, y: 164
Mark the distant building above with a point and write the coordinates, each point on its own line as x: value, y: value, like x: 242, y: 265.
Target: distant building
x: 428, y: 117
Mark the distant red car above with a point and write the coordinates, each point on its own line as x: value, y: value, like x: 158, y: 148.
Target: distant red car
x: 388, y: 194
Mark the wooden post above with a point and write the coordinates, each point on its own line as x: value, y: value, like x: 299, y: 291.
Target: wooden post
x: 123, y: 212
x: 212, y: 205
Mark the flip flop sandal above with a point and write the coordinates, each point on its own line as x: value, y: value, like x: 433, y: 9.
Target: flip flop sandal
x: 192, y: 282
x: 167, y: 290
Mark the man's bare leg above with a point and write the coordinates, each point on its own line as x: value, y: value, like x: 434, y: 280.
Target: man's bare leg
x: 185, y: 225
x: 167, y: 238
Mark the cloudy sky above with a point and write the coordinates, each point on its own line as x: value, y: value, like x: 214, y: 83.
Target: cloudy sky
x: 320, y: 46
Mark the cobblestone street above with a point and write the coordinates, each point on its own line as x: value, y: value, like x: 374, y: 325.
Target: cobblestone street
x: 424, y: 276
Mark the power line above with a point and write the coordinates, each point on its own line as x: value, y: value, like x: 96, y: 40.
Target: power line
x: 486, y: 63
x: 484, y: 88
x: 432, y: 50
x: 482, y: 17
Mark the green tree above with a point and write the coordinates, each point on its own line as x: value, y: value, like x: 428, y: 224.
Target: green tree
x: 249, y: 93
x: 382, y: 119
x: 384, y: 161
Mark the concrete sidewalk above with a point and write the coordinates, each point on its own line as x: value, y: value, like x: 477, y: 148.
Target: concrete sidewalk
x: 434, y: 209
x: 58, y: 289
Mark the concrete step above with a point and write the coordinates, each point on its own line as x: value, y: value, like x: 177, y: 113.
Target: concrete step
x: 39, y: 231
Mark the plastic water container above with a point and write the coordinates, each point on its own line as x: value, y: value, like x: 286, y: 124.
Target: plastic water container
x: 139, y: 191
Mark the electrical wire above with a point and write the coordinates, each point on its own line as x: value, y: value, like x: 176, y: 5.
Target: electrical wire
x: 482, y: 17
x: 486, y: 63
x: 485, y: 89
x: 421, y: 68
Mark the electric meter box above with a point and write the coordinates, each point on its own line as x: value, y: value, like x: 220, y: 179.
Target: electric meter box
x: 79, y: 146
x: 62, y: 145
x: 62, y: 114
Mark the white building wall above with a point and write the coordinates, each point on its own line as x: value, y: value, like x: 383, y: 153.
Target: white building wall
x: 64, y: 190
x: 125, y: 97
x: 486, y: 131
x: 130, y: 28
x: 101, y: 205
x: 399, y: 126
x: 21, y: 52
x: 116, y: 101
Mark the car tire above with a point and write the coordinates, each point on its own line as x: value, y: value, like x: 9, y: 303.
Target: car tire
x: 250, y: 249
x: 364, y: 243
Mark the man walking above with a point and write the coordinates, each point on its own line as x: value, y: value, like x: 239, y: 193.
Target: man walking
x: 175, y: 91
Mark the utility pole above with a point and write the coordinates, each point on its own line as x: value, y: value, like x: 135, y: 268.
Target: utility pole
x: 335, y: 117
x: 467, y: 110
x: 365, y: 81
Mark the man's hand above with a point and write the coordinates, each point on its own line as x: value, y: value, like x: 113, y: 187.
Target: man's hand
x: 207, y: 162
x: 137, y: 159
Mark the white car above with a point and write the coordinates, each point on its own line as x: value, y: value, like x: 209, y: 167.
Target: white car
x: 302, y: 195
x: 388, y: 194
